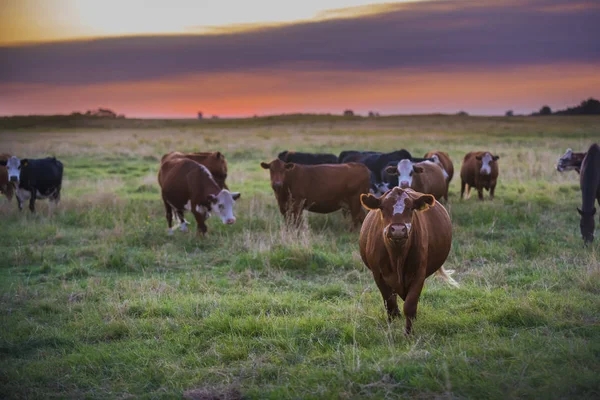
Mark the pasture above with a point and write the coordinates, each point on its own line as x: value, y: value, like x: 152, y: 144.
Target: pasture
x: 98, y: 302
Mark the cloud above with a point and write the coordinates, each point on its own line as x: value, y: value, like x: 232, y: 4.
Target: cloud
x: 452, y: 35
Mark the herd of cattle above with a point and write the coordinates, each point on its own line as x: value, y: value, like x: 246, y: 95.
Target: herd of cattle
x: 405, y: 236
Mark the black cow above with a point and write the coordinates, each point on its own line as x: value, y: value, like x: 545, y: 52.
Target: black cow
x: 35, y: 179
x: 347, y: 156
x: 589, y: 181
x: 307, y: 158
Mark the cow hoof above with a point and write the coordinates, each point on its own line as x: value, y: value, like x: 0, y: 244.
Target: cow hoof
x: 183, y: 227
x: 170, y: 232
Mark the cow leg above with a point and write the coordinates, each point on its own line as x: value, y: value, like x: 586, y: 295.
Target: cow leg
x: 356, y: 211
x: 480, y: 192
x: 169, y: 216
x: 182, y: 221
x: 32, y: 200
x: 492, y: 189
x: 411, y: 302
x: 462, y: 189
x: 200, y: 222
x: 294, y: 216
x: 390, y: 300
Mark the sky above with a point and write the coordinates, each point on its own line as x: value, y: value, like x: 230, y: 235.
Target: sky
x: 153, y: 59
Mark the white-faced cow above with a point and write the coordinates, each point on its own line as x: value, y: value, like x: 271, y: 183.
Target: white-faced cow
x: 479, y: 170
x: 188, y: 185
x: 35, y: 179
x: 589, y: 181
x: 570, y: 161
x: 405, y: 237
x: 424, y: 177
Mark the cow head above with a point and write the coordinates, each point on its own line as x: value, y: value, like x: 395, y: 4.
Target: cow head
x: 222, y: 205
x: 570, y: 161
x: 586, y: 225
x: 13, y: 168
x: 484, y: 163
x: 278, y: 169
x: 397, y: 208
x: 405, y: 170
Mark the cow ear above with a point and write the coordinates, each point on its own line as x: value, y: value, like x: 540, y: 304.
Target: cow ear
x: 370, y: 202
x: 265, y: 165
x: 236, y: 195
x: 391, y: 170
x: 495, y: 158
x: 478, y: 158
x: 289, y: 166
x: 423, y: 202
x: 218, y: 155
x: 417, y: 169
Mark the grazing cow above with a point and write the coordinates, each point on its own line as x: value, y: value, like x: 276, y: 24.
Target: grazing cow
x: 406, y: 237
x: 188, y: 185
x: 214, y: 161
x: 347, y: 156
x: 6, y: 187
x: 318, y: 188
x: 570, y: 161
x: 35, y: 179
x: 479, y: 170
x: 307, y: 158
x: 424, y: 177
x: 589, y: 181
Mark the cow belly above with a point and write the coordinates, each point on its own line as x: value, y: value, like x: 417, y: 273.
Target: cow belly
x: 323, y: 208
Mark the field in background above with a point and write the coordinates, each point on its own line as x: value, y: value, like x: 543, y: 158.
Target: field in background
x: 97, y: 301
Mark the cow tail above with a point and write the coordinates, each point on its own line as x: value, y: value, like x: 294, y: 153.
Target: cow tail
x: 445, y: 275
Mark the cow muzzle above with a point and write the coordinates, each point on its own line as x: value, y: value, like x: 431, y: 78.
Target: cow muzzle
x: 398, y: 231
x: 276, y: 185
x: 404, y: 184
x: 14, y: 178
x: 230, y: 221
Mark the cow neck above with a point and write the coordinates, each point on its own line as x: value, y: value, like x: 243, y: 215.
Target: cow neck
x: 284, y: 193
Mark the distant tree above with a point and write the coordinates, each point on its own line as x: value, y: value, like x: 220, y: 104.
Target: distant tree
x: 462, y: 114
x: 590, y: 106
x: 199, y: 114
x: 215, y: 117
x: 545, y: 110
x: 348, y: 113
x: 509, y: 113
x: 371, y: 114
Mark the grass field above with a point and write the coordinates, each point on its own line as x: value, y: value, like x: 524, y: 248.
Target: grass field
x: 98, y: 302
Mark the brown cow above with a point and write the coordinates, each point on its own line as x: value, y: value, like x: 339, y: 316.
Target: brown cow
x: 479, y: 170
x: 323, y: 188
x: 570, y: 161
x: 214, y: 161
x: 424, y: 177
x: 6, y: 187
x: 589, y: 182
x: 186, y: 184
x: 405, y: 238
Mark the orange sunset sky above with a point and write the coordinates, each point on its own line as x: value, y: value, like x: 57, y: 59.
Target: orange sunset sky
x: 232, y: 58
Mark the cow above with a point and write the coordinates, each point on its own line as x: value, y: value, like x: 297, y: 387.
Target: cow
x: 479, y: 170
x: 307, y: 158
x: 35, y: 179
x: 318, y: 188
x: 379, y: 162
x: 405, y: 237
x: 425, y: 177
x: 347, y: 156
x: 589, y: 182
x: 443, y: 160
x: 6, y: 187
x: 214, y: 161
x: 570, y: 161
x: 188, y: 185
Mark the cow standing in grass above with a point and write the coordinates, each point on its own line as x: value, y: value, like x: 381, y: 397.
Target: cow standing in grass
x: 318, y: 188
x: 188, y: 185
x: 405, y: 237
x: 35, y: 179
x: 589, y: 181
x: 479, y: 170
x: 6, y: 187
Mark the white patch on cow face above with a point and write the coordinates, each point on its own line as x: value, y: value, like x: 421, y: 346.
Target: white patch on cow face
x: 223, y: 206
x: 436, y: 160
x: 13, y: 167
x: 400, y: 204
x: 486, y: 168
x: 405, y: 172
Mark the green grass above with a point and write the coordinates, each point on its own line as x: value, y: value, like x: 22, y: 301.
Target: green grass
x: 98, y: 302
